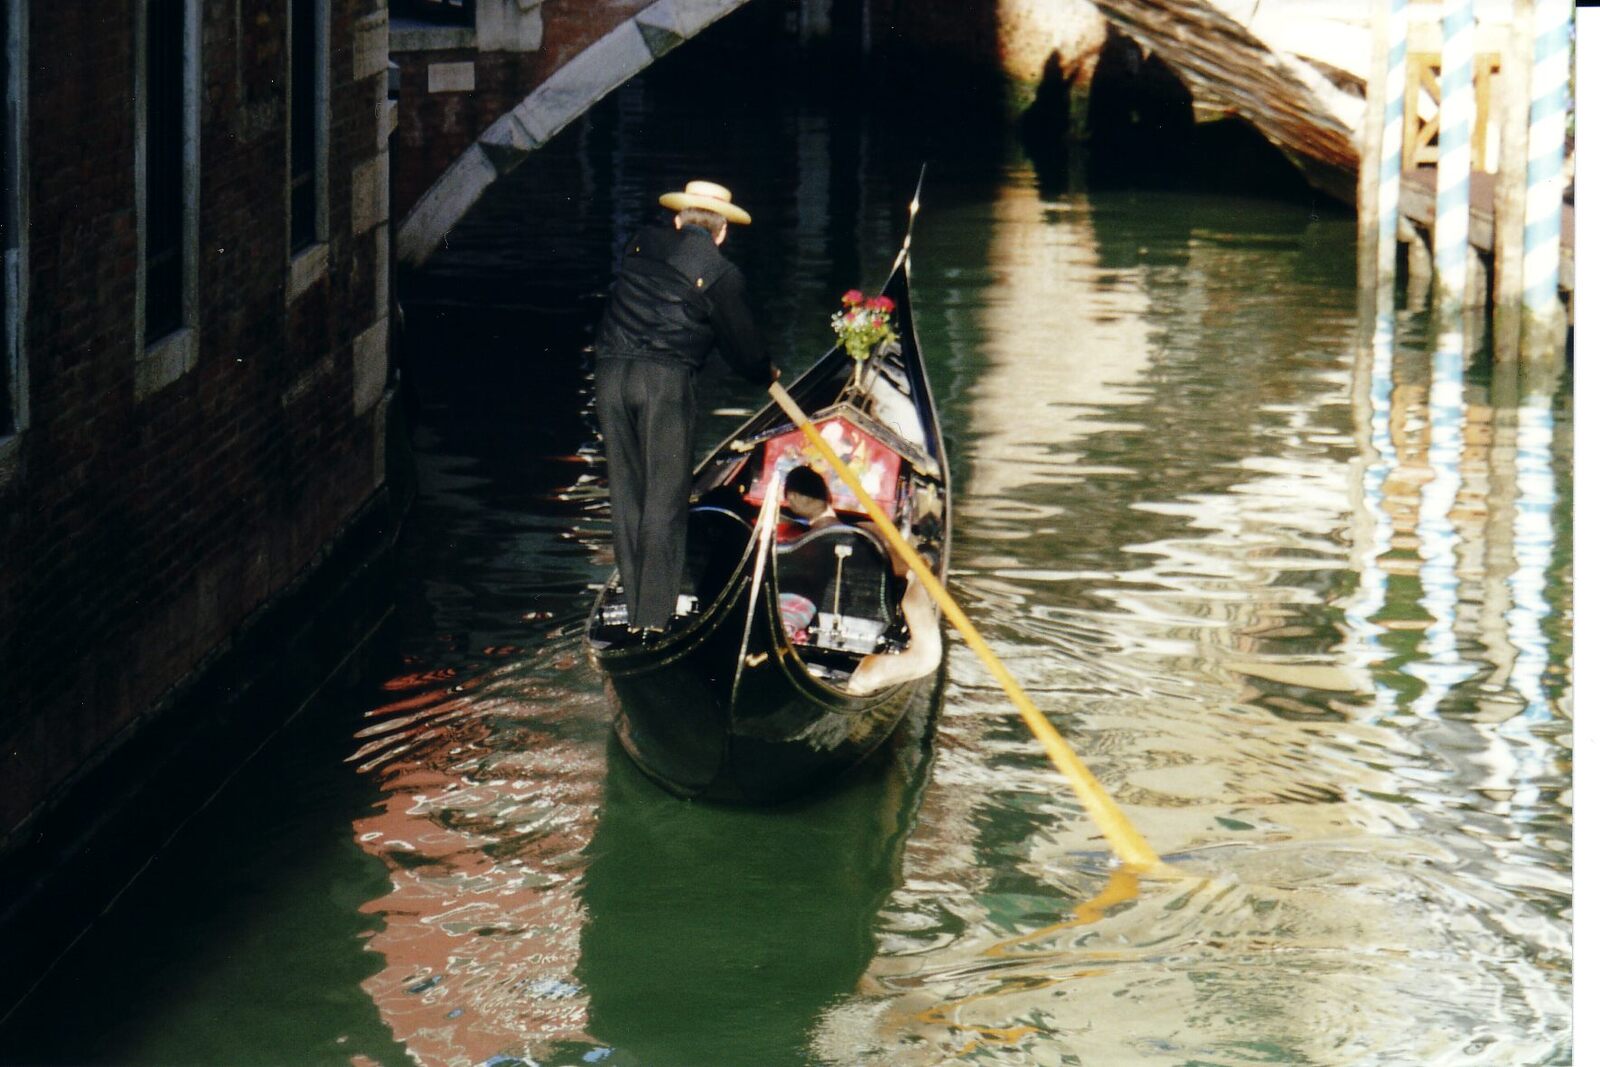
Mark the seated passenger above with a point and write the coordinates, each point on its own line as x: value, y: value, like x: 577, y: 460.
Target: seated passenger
x: 806, y: 494
x: 828, y: 565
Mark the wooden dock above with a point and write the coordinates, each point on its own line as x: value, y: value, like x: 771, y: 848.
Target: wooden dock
x: 1296, y: 70
x: 1417, y: 201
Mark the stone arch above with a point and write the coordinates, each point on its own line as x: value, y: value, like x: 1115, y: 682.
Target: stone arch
x: 578, y: 85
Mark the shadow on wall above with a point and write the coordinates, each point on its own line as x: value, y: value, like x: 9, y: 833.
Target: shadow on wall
x: 1130, y: 107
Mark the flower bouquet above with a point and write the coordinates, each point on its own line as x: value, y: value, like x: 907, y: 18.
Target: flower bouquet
x: 862, y: 325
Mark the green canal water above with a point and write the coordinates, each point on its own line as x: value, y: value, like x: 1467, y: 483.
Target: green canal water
x: 1297, y: 587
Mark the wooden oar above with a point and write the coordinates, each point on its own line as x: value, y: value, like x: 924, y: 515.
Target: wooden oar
x: 1126, y: 842
x: 766, y: 526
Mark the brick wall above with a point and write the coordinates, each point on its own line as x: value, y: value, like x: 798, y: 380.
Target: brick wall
x: 437, y: 125
x: 137, y: 533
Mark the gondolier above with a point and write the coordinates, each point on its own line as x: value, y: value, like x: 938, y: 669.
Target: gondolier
x: 675, y: 298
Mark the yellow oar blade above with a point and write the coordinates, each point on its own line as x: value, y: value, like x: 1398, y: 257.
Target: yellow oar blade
x: 1126, y: 842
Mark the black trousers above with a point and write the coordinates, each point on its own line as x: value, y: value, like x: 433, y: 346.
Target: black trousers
x: 647, y: 413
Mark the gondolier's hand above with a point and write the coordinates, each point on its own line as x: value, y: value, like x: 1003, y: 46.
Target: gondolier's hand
x: 777, y: 372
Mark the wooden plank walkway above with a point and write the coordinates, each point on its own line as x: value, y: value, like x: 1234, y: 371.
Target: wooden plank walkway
x: 1417, y: 202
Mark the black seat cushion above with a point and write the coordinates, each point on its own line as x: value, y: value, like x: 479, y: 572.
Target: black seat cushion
x: 840, y: 559
x: 716, y: 542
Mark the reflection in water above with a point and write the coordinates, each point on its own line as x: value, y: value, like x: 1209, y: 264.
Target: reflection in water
x: 548, y: 900
x: 1065, y: 395
x: 1169, y: 562
x: 1440, y: 667
x: 727, y: 929
x: 1534, y: 540
x: 1373, y: 531
x: 1298, y: 591
x: 491, y: 788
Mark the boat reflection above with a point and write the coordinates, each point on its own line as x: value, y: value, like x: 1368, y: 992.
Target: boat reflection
x: 719, y: 934
x: 546, y: 899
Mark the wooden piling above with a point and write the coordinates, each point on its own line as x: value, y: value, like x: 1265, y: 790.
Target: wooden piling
x: 1451, y: 247
x: 1419, y: 266
x: 1545, y: 325
x: 1368, y: 271
x: 1398, y: 32
x: 1379, y: 188
x: 1510, y: 190
x: 1476, y: 292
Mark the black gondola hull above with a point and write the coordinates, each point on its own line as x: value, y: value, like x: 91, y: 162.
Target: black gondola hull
x: 723, y: 706
x: 779, y: 734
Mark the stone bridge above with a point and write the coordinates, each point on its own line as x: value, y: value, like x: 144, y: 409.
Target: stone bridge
x: 1294, y: 69
x: 476, y: 100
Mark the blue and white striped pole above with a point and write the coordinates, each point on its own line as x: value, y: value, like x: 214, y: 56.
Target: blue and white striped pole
x: 1456, y: 110
x: 1549, y: 95
x: 1394, y: 95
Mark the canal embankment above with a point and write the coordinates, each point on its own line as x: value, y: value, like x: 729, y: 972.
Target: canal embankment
x: 76, y: 854
x: 198, y: 420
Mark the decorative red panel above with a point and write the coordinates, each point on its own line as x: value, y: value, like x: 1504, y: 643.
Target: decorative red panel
x: 874, y: 463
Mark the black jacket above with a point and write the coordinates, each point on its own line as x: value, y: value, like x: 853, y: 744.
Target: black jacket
x: 674, y: 299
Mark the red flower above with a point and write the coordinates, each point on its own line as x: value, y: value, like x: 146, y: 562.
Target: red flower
x: 863, y: 323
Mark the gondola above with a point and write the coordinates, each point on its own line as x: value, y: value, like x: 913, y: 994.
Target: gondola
x: 794, y: 653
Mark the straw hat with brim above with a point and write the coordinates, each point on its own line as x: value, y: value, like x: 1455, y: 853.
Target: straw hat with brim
x: 711, y: 197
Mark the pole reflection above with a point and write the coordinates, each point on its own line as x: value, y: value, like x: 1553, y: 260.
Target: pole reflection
x: 1533, y: 541
x: 1440, y: 666
x: 1377, y: 446
x: 1477, y: 505
x: 1534, y: 537
x: 1499, y: 556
